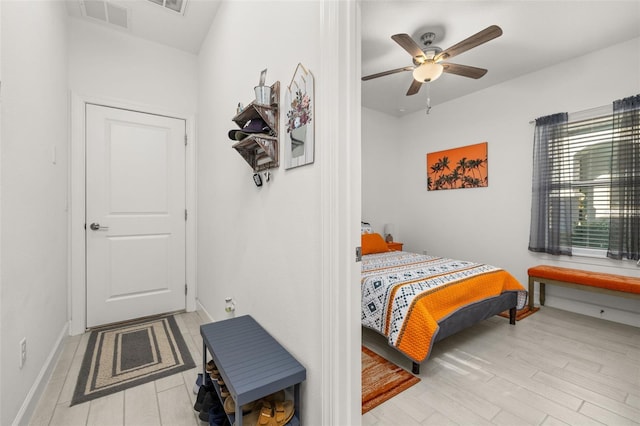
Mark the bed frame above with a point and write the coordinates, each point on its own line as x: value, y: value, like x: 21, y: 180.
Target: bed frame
x: 473, y: 314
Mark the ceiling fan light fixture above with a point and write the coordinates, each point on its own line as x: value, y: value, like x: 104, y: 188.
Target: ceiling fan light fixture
x: 429, y: 71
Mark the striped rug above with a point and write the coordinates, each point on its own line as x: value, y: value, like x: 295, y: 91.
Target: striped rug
x: 382, y: 380
x: 131, y: 354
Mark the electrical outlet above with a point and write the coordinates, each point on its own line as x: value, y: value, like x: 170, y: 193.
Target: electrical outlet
x: 23, y: 351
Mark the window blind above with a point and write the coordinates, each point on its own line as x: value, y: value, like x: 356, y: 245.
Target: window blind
x: 587, y: 175
x: 586, y: 182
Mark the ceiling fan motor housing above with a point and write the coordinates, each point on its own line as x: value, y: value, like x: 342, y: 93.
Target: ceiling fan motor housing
x: 428, y: 50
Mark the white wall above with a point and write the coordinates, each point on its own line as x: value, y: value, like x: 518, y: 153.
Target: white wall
x: 492, y: 224
x: 258, y: 245
x: 112, y: 67
x: 263, y: 246
x: 33, y: 260
x: 381, y: 170
x: 116, y: 66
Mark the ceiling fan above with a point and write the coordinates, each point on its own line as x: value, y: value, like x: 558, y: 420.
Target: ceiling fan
x: 427, y: 61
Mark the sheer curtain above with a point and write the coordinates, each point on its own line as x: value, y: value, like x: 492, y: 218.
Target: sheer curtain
x: 624, y: 225
x: 551, y: 201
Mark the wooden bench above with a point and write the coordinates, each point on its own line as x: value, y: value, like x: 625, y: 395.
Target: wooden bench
x: 613, y: 284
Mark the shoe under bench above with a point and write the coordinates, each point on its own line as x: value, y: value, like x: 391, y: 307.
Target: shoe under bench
x: 251, y: 362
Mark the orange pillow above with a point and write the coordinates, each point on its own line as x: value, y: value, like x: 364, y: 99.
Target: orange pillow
x: 373, y: 243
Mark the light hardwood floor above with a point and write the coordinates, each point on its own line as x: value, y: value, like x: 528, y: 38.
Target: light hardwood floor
x: 552, y: 368
x: 167, y: 402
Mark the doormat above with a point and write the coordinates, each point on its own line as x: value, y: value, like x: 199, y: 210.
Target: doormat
x: 521, y: 313
x: 127, y: 355
x: 382, y: 380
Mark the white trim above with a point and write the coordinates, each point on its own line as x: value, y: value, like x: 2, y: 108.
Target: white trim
x: 35, y: 392
x: 204, y: 311
x: 1, y: 209
x: 338, y: 155
x: 192, y: 221
x: 77, y: 272
x: 589, y: 252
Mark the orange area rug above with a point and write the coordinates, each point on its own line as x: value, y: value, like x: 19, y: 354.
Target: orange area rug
x: 521, y: 313
x: 382, y: 380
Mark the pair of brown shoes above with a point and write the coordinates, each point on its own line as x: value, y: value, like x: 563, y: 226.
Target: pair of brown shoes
x: 272, y: 410
x: 276, y: 414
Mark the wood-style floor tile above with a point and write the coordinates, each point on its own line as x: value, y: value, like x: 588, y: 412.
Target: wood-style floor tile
x: 141, y: 406
x: 554, y: 368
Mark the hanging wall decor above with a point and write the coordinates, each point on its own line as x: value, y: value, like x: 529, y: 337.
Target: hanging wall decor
x: 464, y: 167
x: 299, y: 141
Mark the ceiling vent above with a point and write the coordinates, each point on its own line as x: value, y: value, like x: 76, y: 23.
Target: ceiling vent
x: 177, y: 6
x: 106, y: 12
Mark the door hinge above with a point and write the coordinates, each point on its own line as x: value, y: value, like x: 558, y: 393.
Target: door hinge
x: 358, y: 254
x: 185, y: 214
x: 185, y: 140
x: 185, y: 289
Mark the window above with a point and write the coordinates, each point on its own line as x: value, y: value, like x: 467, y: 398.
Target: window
x: 586, y: 183
x: 589, y: 178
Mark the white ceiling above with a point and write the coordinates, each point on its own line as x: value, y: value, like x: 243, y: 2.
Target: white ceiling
x: 155, y: 23
x: 537, y: 34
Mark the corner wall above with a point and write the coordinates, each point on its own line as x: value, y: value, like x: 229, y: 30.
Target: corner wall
x: 491, y: 225
x: 264, y: 246
x: 381, y: 170
x: 260, y: 246
x: 113, y: 65
x: 33, y: 262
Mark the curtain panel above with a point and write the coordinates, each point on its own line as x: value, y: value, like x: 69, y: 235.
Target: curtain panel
x: 551, y: 203
x: 624, y: 225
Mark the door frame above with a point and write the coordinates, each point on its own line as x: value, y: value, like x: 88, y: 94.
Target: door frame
x: 77, y: 201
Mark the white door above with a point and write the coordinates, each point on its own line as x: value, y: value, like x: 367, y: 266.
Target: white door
x: 135, y: 214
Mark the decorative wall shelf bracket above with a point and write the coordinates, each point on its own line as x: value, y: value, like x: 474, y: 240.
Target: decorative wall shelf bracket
x: 261, y: 151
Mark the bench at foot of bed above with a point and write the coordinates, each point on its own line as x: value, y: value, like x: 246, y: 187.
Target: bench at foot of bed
x: 616, y: 285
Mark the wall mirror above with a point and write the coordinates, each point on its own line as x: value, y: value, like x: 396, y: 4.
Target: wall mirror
x: 299, y: 140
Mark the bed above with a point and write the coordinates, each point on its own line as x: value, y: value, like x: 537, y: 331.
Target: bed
x: 415, y: 300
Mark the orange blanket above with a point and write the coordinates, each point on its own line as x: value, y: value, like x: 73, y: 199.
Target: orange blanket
x: 405, y: 295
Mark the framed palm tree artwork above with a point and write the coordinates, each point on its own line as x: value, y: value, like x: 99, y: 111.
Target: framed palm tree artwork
x: 464, y: 167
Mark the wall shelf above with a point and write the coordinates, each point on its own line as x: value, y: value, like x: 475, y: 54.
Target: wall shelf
x: 261, y: 150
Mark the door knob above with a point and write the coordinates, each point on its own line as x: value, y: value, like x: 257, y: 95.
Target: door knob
x: 96, y: 227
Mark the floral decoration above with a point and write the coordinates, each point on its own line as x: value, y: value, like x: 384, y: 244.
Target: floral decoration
x: 300, y: 112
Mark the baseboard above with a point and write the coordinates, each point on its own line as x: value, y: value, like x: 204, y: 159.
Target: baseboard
x: 33, y: 396
x: 201, y: 308
x: 594, y: 310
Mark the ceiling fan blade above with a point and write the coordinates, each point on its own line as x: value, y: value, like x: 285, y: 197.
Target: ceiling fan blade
x: 463, y: 70
x: 477, y: 39
x: 382, y: 74
x: 414, y: 88
x: 407, y: 43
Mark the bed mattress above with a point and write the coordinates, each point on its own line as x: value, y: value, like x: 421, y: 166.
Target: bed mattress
x: 405, y: 295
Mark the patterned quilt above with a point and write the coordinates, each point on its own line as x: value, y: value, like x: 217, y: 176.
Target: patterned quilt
x: 405, y: 295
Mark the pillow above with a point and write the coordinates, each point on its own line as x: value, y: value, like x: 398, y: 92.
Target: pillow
x: 373, y: 243
x: 365, y: 228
